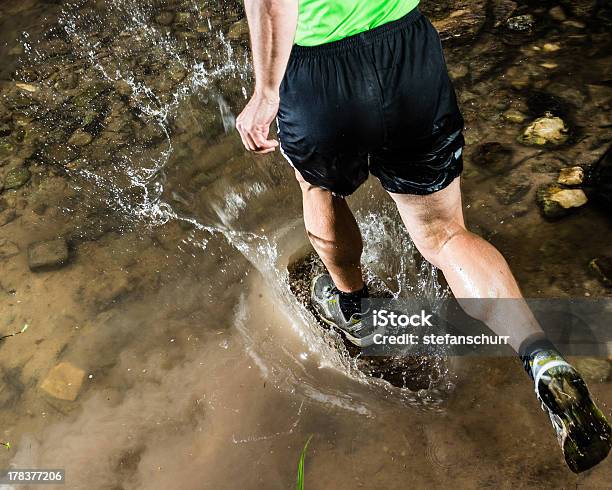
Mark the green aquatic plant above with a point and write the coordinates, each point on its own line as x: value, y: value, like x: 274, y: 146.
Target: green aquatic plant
x: 300, y: 475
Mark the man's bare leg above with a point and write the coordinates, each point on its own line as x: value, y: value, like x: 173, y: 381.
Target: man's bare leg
x: 334, y: 234
x: 472, y: 267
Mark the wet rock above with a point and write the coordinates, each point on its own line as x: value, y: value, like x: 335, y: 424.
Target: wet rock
x: 7, y: 216
x: 557, y: 13
x: 601, y: 268
x: 239, y: 30
x: 510, y: 191
x: 574, y: 24
x: 165, y: 18
x: 80, y: 138
x: 67, y: 81
x: 593, y: 369
x: 551, y: 47
x: 16, y: 178
x: 6, y: 148
x: 90, y: 92
x: 556, y: 202
x: 28, y: 87
x: 59, y: 153
x: 571, y: 176
x: 464, y: 23
x: 514, y: 116
x: 493, y: 156
x: 502, y: 11
x: 106, y: 290
x: 521, y: 23
x: 7, y: 248
x: 123, y: 88
x: 64, y: 381
x: 458, y: 71
x: 177, y: 73
x: 547, y: 130
x: 55, y: 47
x: 182, y: 18
x: 48, y: 255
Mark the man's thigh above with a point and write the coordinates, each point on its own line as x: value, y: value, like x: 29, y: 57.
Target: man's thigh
x: 432, y: 219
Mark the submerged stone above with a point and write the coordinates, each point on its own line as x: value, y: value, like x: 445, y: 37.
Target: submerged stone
x: 512, y: 115
x: 601, y: 268
x: 557, y: 13
x: 16, y: 177
x: 239, y: 30
x: 556, y: 202
x: 551, y: 47
x: 571, y: 176
x: 7, y: 248
x: 521, y: 22
x: 547, y: 130
x: 64, y: 381
x: 463, y: 23
x: 164, y: 18
x: 47, y: 255
x: 80, y: 138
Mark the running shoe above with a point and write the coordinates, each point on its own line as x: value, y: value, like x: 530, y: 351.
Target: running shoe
x: 582, y: 429
x: 325, y: 298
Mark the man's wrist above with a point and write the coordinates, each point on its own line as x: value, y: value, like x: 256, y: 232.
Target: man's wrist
x: 267, y: 93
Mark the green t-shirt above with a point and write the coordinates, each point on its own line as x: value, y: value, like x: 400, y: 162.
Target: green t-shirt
x: 324, y: 21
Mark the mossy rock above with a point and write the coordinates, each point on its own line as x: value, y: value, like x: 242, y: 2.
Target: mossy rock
x: 16, y: 177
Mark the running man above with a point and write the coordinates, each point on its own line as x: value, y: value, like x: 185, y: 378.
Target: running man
x: 360, y: 87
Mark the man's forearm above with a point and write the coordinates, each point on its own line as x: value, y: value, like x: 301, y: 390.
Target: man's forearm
x: 272, y: 24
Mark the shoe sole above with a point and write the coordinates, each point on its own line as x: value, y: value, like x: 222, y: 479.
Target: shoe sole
x: 586, y: 436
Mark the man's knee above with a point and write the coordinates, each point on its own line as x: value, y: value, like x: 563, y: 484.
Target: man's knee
x: 432, y: 240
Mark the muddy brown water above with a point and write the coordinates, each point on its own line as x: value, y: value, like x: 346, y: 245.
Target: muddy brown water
x: 201, y: 369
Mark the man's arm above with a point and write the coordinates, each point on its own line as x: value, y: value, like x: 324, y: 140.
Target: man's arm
x: 272, y: 24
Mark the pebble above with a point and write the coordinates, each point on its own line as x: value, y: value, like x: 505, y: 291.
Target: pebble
x: 556, y: 202
x: 458, y: 71
x: 80, y: 138
x: 16, y: 177
x: 571, y: 176
x: 557, y: 13
x: 165, y: 18
x: 512, y: 115
x: 545, y: 130
x: 549, y: 65
x: 570, y: 198
x: 7, y: 216
x: 64, y: 381
x: 47, y: 255
x: 551, y: 47
x: 7, y: 248
x: 239, y: 30
x: 27, y: 87
x: 521, y: 22
x: 575, y: 24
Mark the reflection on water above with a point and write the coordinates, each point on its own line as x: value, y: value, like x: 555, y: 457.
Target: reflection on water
x: 201, y: 369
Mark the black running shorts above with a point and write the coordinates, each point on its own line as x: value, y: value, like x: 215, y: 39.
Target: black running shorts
x: 378, y: 102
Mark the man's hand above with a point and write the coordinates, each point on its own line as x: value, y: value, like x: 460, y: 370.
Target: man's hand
x: 254, y: 122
